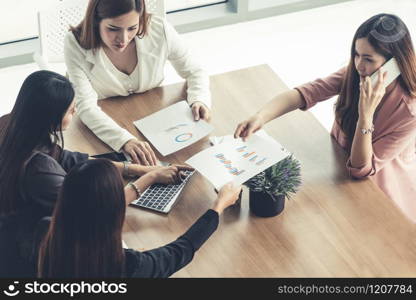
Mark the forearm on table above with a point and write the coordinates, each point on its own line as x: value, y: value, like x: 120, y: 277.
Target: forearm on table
x: 102, y: 125
x: 132, y: 169
x: 281, y: 104
x: 142, y: 183
x: 362, y: 148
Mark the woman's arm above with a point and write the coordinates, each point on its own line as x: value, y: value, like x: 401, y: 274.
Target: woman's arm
x: 133, y: 169
x: 86, y: 98
x: 187, y: 67
x: 164, y: 175
x: 166, y: 260
x: 278, y: 106
x: 370, y: 98
x: 362, y: 148
x: 303, y: 97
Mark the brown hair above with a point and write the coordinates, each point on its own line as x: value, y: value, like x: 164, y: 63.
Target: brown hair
x: 87, y: 32
x: 389, y: 36
x: 84, y: 237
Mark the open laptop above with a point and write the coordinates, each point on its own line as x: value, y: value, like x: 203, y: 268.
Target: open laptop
x: 160, y: 197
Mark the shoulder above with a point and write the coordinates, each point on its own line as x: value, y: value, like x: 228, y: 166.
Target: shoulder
x: 157, y: 27
x: 157, y: 23
x: 407, y: 105
x: 42, y: 162
x: 71, y: 44
x: 156, y: 36
x: 410, y: 104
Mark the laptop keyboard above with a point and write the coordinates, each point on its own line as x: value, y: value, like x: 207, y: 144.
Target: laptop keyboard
x: 160, y: 197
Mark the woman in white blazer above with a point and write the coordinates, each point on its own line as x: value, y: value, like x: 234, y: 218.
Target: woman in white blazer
x: 119, y: 49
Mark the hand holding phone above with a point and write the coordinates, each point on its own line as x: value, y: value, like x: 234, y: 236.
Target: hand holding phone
x: 392, y: 69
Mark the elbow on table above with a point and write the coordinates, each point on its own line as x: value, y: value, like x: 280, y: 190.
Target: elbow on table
x: 360, y: 172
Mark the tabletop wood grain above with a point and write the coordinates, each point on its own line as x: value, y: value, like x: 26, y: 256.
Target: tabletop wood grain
x: 333, y: 227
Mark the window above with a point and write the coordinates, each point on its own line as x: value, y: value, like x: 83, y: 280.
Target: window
x: 184, y: 4
x: 19, y: 17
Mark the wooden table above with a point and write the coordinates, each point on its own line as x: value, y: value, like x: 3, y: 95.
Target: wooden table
x: 333, y: 227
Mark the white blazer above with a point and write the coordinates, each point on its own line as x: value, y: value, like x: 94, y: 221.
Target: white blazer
x: 94, y: 77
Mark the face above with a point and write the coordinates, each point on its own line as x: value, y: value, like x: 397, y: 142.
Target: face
x: 367, y: 60
x: 117, y: 33
x: 68, y: 116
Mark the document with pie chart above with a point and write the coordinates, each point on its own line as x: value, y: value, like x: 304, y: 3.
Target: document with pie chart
x: 173, y: 128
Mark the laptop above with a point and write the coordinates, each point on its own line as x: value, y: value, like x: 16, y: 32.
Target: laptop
x: 160, y: 197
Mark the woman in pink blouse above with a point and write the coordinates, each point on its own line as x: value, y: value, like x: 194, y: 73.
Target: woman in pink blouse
x: 376, y: 124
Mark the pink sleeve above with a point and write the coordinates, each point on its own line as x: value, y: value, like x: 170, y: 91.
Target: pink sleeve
x: 386, y: 148
x: 321, y: 89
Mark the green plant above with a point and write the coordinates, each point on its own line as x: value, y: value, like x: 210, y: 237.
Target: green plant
x: 282, y: 178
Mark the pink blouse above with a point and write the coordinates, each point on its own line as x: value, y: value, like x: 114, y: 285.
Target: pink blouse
x: 393, y: 165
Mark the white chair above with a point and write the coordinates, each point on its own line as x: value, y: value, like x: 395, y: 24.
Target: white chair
x: 54, y: 23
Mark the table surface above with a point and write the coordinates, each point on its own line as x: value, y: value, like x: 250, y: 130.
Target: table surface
x: 333, y: 227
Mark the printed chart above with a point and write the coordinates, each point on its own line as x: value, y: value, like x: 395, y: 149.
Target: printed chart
x: 237, y: 161
x: 173, y: 128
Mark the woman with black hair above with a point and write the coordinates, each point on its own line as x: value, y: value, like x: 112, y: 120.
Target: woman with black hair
x: 34, y: 165
x: 83, y: 239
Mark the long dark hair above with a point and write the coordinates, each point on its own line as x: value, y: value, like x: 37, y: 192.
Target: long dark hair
x: 34, y: 123
x: 389, y: 36
x: 84, y: 238
x: 88, y: 33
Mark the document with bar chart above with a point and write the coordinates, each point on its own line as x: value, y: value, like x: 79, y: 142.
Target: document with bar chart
x: 173, y: 128
x: 237, y: 161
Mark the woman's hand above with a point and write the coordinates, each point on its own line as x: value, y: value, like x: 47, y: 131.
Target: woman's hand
x: 246, y: 128
x: 227, y: 196
x: 200, y: 111
x: 140, y: 152
x: 169, y: 175
x: 370, y: 97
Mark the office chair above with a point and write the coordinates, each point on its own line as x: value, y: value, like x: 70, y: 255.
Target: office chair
x: 53, y: 25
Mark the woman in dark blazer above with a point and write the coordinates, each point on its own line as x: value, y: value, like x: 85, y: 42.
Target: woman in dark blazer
x: 34, y: 165
x: 83, y: 239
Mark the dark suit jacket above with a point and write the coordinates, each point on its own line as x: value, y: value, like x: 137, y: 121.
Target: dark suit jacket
x: 38, y: 188
x: 163, y: 261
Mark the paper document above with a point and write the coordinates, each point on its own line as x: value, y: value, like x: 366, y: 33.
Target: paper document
x: 173, y: 128
x: 237, y: 161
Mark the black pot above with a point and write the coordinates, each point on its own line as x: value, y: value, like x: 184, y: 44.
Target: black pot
x: 264, y: 205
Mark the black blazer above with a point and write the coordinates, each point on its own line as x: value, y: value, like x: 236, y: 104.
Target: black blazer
x: 39, y: 186
x: 163, y: 261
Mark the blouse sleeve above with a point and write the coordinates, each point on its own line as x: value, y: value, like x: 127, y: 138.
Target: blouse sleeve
x: 386, y: 148
x: 321, y: 89
x: 166, y: 260
x: 105, y: 128
x: 187, y: 67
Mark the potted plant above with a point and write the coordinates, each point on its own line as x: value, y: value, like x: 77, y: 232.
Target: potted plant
x: 270, y: 188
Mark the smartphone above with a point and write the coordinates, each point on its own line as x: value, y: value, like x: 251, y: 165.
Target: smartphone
x: 392, y: 69
x: 115, y: 156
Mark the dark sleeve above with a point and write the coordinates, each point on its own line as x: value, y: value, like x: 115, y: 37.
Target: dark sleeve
x: 42, y: 182
x: 166, y: 260
x: 70, y: 159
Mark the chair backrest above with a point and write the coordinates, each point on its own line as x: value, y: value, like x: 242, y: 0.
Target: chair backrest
x: 54, y: 23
